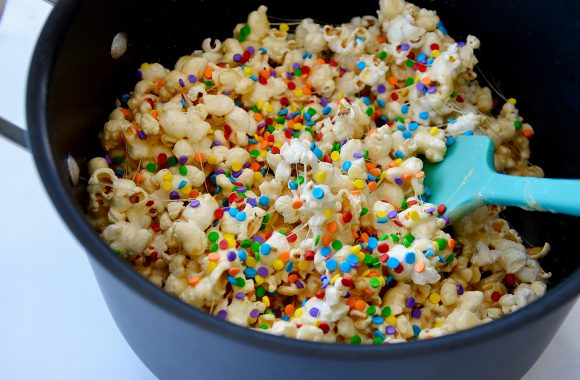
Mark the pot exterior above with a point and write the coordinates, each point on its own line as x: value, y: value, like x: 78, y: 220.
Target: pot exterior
x: 175, y: 348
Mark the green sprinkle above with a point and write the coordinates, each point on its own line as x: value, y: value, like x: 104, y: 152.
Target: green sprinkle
x: 386, y: 311
x: 213, y: 236
x: 260, y: 291
x: 384, y: 237
x: 271, y: 128
x: 172, y: 161
x: 255, y: 246
x: 395, y: 238
x: 208, y: 83
x: 517, y: 124
x: 280, y: 120
x: 378, y: 340
x: 370, y: 111
x: 151, y: 167
x: 311, y: 111
x: 364, y: 211
x: 409, y: 63
x: 337, y: 244
x: 254, y: 153
x: 355, y: 339
x: 182, y: 170
x: 214, y: 247
x: 117, y: 160
x: 368, y: 260
x: 449, y: 259
x: 300, y: 180
x: 374, y: 282
x: 316, y: 240
x: 255, y: 109
x: 266, y: 218
x: 404, y: 204
x: 282, y: 232
x: 441, y: 243
x: 240, y: 282
x: 246, y: 244
x: 264, y: 326
x: 116, y: 251
x: 371, y: 310
x: 366, y: 154
x: 383, y: 55
x: 298, y: 72
x: 453, y: 95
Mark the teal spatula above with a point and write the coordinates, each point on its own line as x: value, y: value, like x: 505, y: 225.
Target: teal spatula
x: 466, y: 179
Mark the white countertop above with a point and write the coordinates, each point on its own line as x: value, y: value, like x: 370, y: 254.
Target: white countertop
x: 54, y: 323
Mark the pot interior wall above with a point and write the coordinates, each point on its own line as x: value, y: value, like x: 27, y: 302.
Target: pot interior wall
x: 526, y: 53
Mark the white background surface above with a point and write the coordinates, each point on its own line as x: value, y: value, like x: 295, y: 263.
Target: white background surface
x: 54, y: 323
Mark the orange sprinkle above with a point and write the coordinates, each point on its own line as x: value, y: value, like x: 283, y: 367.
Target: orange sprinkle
x: 320, y: 61
x: 393, y: 164
x: 233, y: 271
x: 194, y: 281
x: 372, y: 186
x: 372, y: 132
x: 194, y: 194
x: 355, y: 192
x: 258, y: 117
x: 200, y: 157
x: 360, y: 304
x: 351, y: 303
x: 303, y: 77
x: 426, y: 81
x: 368, y: 291
x: 527, y: 133
x: 364, y: 237
x: 284, y: 256
x: 420, y: 174
x: 307, y: 90
x: 255, y: 166
x: 160, y: 83
x: 290, y: 123
x: 125, y: 112
x: 293, y: 277
x: 375, y: 172
x: 451, y: 244
x: 207, y: 72
x: 135, y: 127
x: 296, y: 204
x: 373, y: 274
x: 332, y: 227
x: 369, y: 166
x: 138, y: 178
x: 213, y: 256
x: 326, y: 239
x: 354, y: 234
x: 381, y: 39
x: 265, y: 73
x: 264, y: 145
x: 155, y: 114
x: 289, y: 309
x: 407, y: 177
x: 420, y: 266
x: 393, y: 80
x: 308, y: 83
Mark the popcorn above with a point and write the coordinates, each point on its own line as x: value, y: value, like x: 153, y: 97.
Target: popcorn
x: 275, y: 180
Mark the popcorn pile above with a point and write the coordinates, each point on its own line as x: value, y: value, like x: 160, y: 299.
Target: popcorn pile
x: 275, y: 180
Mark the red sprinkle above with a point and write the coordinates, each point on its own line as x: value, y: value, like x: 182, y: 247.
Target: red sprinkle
x: 347, y: 217
x: 263, y: 80
x: 324, y: 327
x: 153, y: 256
x: 434, y: 46
x: 291, y: 237
x: 284, y: 101
x: 224, y: 244
x: 383, y: 248
x: 441, y: 209
x: 384, y: 258
x: 399, y: 269
x: 411, y: 203
x: 150, y: 203
x: 347, y: 281
x: 155, y: 227
x: 394, y: 96
x: 291, y: 86
x: 510, y: 279
x: 218, y: 214
x: 162, y: 158
x: 495, y: 296
x: 309, y: 255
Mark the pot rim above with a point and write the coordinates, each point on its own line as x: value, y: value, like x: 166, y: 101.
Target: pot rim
x: 37, y: 90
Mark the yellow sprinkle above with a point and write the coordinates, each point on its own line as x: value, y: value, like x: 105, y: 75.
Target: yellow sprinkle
x: 417, y: 78
x: 391, y: 320
x: 298, y: 93
x: 210, y: 132
x: 250, y: 262
x: 166, y: 185
x: 259, y: 279
x: 320, y: 177
x: 284, y: 27
x: 278, y: 144
x: 340, y: 95
x: 268, y: 107
x: 436, y: 245
x: 365, y: 273
x: 266, y: 301
x: 259, y: 104
x: 185, y: 190
x: 278, y: 264
x: 336, y: 277
x: 212, y: 160
x: 433, y: 131
x: 355, y: 249
x: 297, y: 126
x: 263, y: 154
x: 438, y: 324
x: 303, y: 265
x: 231, y: 242
x: 435, y: 53
x: 145, y: 66
x: 258, y: 176
x: 335, y: 156
x: 317, y: 323
x: 359, y: 183
x: 237, y: 166
x: 328, y: 214
x: 414, y: 215
x: 398, y: 161
x: 167, y: 177
x: 381, y: 214
x: 298, y: 312
x: 211, y: 266
x: 248, y: 70
x: 434, y: 298
x: 405, y: 92
x: 512, y: 101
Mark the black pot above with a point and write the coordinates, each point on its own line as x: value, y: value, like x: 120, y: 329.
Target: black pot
x: 527, y: 50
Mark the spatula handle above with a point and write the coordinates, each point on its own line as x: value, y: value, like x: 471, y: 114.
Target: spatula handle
x: 541, y: 194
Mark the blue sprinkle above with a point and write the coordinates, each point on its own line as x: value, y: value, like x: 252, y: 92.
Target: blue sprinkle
x: 263, y: 50
x: 451, y: 120
x: 382, y: 220
x: 253, y: 141
x: 264, y: 200
x: 413, y: 126
x: 366, y: 100
x: 233, y: 212
x: 404, y: 109
x: 468, y: 133
x: 379, y: 334
x: 307, y: 54
x: 218, y: 189
x: 424, y: 115
x: 345, y: 266
x: 421, y: 58
x: 401, y: 128
x: 430, y: 61
x: 377, y: 320
x: 241, y: 216
x: 242, y: 254
x: 232, y: 280
x: 441, y: 28
x: 331, y: 264
x: 283, y: 111
x: 317, y: 152
x: 254, y: 78
x: 292, y: 185
x: 353, y: 259
x: 182, y: 184
x: 310, y: 123
x: 346, y: 165
x: 372, y: 243
x: 371, y: 177
x: 381, y: 103
x: 265, y: 249
x: 441, y: 258
x: 399, y: 154
x: 390, y: 279
x: 407, y: 135
x: 410, y: 258
x: 326, y: 110
x: 361, y: 65
x: 289, y: 267
x: 250, y: 272
x: 450, y: 140
x: 325, y: 251
x: 416, y: 330
x: 429, y: 252
x: 392, y: 262
x: 318, y: 193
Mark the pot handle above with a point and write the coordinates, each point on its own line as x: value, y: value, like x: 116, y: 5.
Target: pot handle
x: 14, y: 133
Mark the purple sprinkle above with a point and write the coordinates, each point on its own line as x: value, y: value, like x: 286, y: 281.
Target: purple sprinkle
x: 324, y: 285
x: 192, y: 78
x: 108, y: 159
x: 399, y: 181
x: 420, y: 86
x: 247, y: 165
x: 446, y: 219
x: 299, y: 285
x: 381, y: 88
x: 459, y: 289
x: 392, y: 214
x: 231, y: 256
x: 142, y: 135
x: 405, y: 47
x: 357, y: 155
x: 241, y: 189
x: 314, y: 312
x: 252, y: 202
x: 250, y: 49
x: 258, y: 239
x: 289, y: 75
x: 194, y: 203
x: 262, y: 124
x: 226, y: 209
x: 182, y: 160
x: 432, y: 89
x: 254, y: 313
x: 174, y: 195
x: 237, y: 174
x: 219, y: 171
x: 295, y: 66
x: 461, y: 43
x: 237, y: 57
x: 217, y: 143
x: 391, y: 330
x: 347, y: 295
x: 273, y: 73
x: 263, y: 271
x: 277, y: 313
x: 323, y: 101
x: 430, y: 210
x: 289, y: 116
x: 240, y: 295
x: 410, y: 302
x: 139, y: 75
x: 228, y: 92
x: 416, y: 313
x: 222, y: 314
x: 343, y: 69
x: 181, y: 82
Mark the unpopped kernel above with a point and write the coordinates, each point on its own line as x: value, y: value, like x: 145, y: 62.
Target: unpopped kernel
x: 274, y: 179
